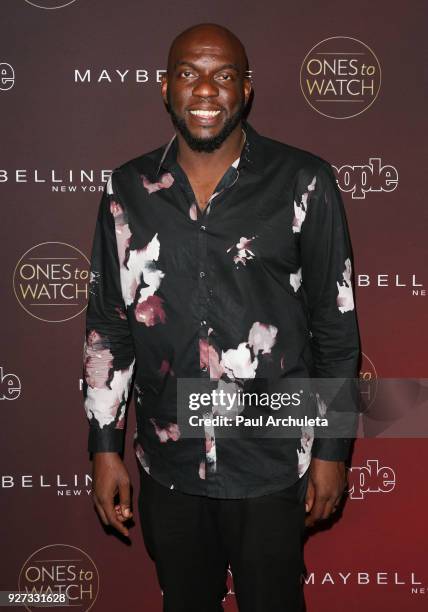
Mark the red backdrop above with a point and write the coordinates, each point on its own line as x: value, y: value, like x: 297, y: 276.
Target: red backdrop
x: 79, y: 95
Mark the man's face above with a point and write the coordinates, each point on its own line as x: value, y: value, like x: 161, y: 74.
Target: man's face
x: 206, y: 89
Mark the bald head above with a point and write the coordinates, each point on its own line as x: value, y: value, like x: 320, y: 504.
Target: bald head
x: 207, y: 86
x: 203, y: 37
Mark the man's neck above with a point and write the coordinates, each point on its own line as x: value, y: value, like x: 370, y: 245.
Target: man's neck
x: 203, y: 165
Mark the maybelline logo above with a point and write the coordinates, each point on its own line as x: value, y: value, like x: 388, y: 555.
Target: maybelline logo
x: 402, y: 281
x: 10, y: 386
x: 75, y: 485
x: 364, y: 178
x: 122, y: 76
x: 364, y: 578
x: 370, y: 478
x: 66, y: 181
x: 114, y: 75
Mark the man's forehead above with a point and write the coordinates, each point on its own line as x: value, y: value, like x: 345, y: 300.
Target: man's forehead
x: 206, y: 54
x: 212, y: 46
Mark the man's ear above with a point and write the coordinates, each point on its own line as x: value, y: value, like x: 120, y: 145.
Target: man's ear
x: 247, y: 89
x: 164, y: 87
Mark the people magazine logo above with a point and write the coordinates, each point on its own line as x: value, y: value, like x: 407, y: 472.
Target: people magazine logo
x: 60, y: 571
x: 10, y: 385
x: 360, y: 179
x: 51, y: 281
x: 7, y: 76
x: 50, y: 4
x: 370, y: 478
x: 340, y: 77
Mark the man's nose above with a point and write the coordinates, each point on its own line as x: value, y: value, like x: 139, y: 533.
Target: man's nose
x: 205, y: 88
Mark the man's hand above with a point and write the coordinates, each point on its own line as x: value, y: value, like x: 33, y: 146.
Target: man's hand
x: 326, y: 484
x: 109, y: 477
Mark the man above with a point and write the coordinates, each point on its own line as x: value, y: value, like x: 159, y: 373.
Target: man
x: 223, y: 256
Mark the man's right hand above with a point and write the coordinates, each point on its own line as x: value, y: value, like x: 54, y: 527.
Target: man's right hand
x: 109, y: 477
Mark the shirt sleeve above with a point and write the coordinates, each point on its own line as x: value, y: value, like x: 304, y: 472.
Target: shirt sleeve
x: 327, y: 281
x: 108, y: 351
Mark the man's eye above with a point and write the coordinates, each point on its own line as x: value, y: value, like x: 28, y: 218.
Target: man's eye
x: 225, y: 77
x: 186, y: 73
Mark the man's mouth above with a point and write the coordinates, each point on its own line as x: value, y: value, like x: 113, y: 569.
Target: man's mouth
x: 205, y: 114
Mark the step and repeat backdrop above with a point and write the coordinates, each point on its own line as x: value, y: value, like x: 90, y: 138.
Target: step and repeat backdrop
x: 80, y: 95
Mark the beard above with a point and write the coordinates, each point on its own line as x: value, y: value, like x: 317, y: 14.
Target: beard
x: 206, y: 145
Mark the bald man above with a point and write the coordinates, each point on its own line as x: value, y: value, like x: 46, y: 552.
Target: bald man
x: 232, y: 265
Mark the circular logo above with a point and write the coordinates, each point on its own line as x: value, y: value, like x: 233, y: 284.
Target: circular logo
x: 57, y: 570
x: 340, y: 77
x: 50, y: 281
x: 50, y: 4
x: 368, y: 381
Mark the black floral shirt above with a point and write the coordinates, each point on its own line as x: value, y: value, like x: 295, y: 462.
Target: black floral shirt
x: 257, y: 285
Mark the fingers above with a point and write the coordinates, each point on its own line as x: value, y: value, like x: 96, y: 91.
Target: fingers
x: 317, y: 511
x: 125, y: 499
x: 100, y: 510
x: 110, y: 513
x: 321, y: 508
x: 310, y: 496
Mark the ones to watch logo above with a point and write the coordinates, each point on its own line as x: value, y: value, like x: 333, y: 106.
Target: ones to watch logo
x: 340, y: 77
x: 61, y: 569
x: 50, y: 281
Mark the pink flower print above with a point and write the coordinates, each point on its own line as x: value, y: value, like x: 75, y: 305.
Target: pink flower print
x: 345, y: 298
x: 304, y: 455
x: 120, y: 423
x: 123, y: 233
x: 296, y: 279
x: 141, y: 262
x: 209, y: 358
x: 210, y: 450
x: 193, y: 212
x: 262, y: 337
x: 120, y: 312
x: 165, y: 367
x: 98, y: 360
x: 107, y: 388
x: 243, y: 250
x: 238, y: 363
x: 301, y: 208
x: 321, y: 405
x: 165, y: 182
x: 170, y: 432
x: 150, y: 311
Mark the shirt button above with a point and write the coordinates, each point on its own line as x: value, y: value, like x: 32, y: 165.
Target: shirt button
x: 203, y: 322
x: 203, y: 228
x: 202, y: 274
x: 204, y: 369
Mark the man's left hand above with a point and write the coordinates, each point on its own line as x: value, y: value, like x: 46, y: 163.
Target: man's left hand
x: 326, y: 485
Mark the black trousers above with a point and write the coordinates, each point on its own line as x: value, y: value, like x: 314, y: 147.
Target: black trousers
x: 192, y: 540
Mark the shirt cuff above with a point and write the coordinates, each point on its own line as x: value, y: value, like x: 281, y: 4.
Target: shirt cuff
x: 331, y: 449
x: 106, y: 440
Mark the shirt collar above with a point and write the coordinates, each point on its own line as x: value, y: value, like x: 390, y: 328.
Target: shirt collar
x: 251, y: 155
